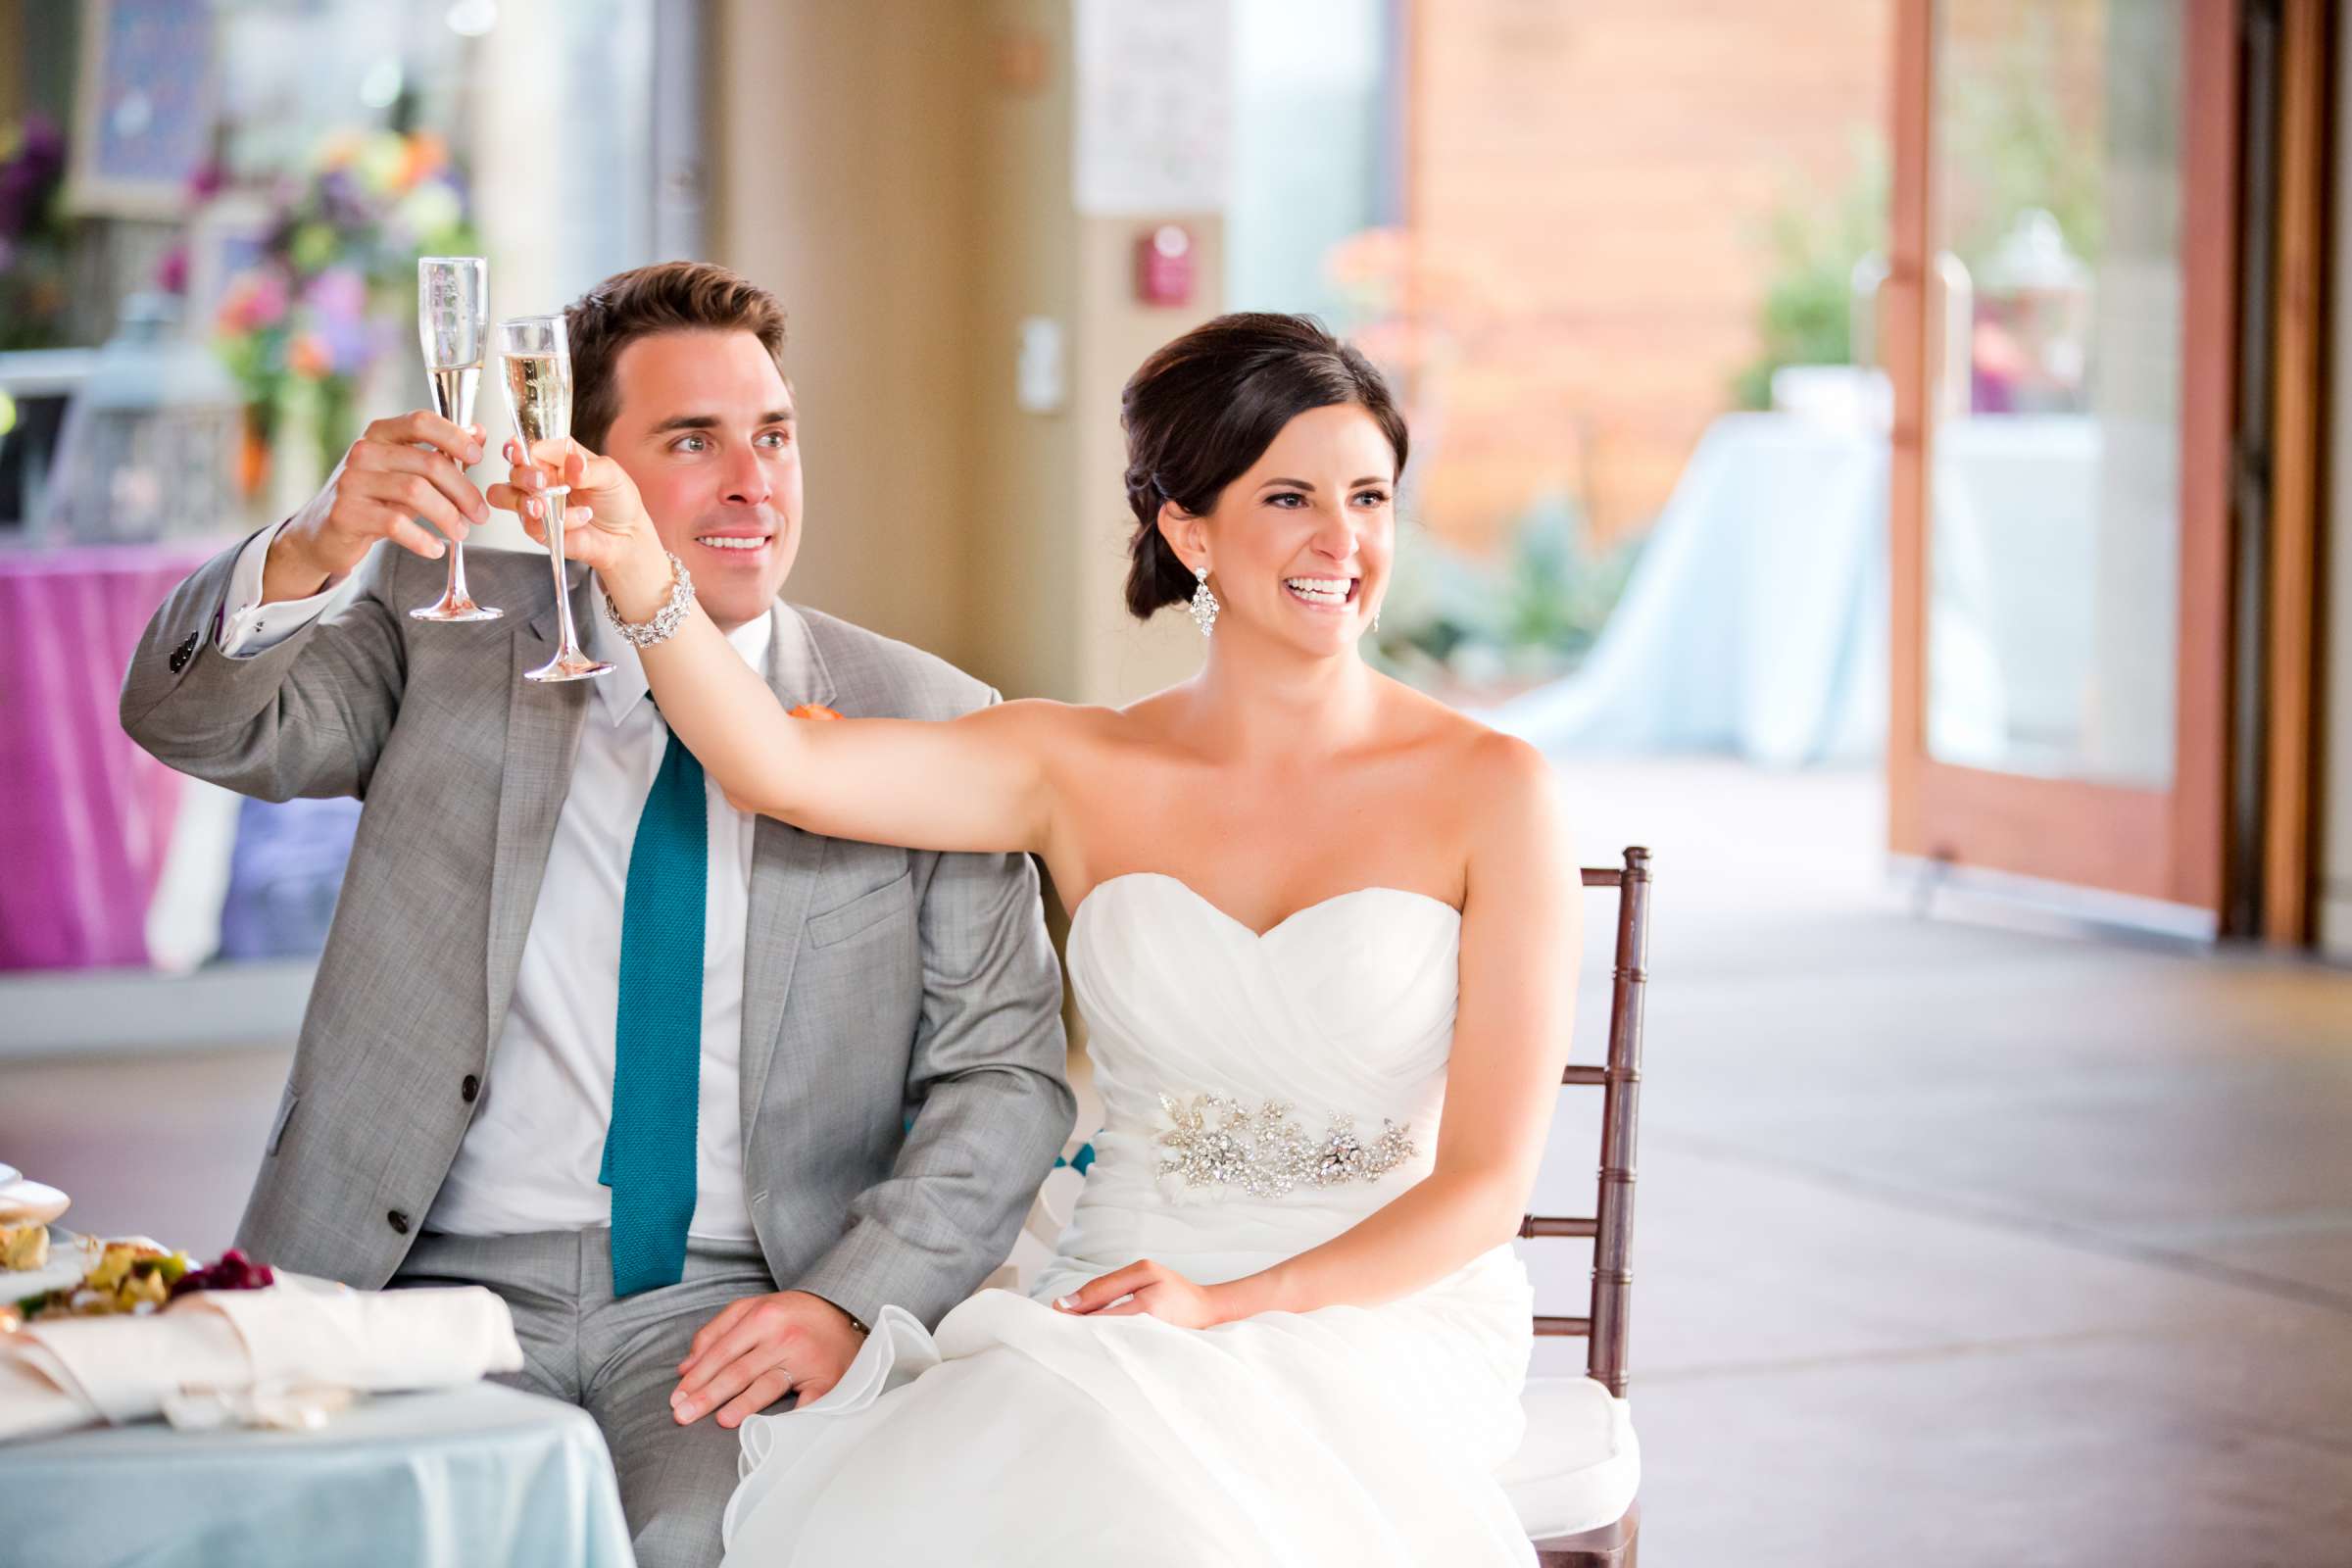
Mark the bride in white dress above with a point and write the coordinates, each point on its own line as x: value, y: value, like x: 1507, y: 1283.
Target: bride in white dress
x: 1324, y: 934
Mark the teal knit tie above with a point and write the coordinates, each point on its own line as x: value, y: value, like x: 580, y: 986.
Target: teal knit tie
x: 657, y: 1042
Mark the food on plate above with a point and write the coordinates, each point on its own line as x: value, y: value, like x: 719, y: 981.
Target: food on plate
x: 130, y: 1276
x: 136, y: 1276
x: 23, y: 1247
x: 234, y: 1272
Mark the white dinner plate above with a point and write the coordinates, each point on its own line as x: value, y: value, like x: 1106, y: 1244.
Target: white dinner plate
x: 22, y: 1202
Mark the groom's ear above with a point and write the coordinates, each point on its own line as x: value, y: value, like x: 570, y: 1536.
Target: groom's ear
x: 1185, y: 534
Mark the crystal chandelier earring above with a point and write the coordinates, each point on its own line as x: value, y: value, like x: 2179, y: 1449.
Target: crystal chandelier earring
x: 1204, y: 606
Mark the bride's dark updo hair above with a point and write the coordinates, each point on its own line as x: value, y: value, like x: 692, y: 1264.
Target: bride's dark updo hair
x: 1206, y: 407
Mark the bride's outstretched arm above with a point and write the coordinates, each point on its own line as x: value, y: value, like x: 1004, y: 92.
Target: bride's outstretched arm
x: 1521, y: 932
x: 973, y: 783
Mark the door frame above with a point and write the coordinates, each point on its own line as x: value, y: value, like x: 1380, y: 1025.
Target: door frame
x: 2120, y: 845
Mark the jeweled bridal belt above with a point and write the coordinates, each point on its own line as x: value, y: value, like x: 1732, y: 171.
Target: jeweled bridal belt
x: 1216, y: 1145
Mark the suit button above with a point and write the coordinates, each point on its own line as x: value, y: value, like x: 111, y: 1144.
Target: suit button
x: 183, y: 653
x: 471, y: 1087
x: 398, y: 1221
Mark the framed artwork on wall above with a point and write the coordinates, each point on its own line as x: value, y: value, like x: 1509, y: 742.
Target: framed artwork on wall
x: 142, y: 106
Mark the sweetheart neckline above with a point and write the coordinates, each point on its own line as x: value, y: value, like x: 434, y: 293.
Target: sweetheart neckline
x: 1242, y: 925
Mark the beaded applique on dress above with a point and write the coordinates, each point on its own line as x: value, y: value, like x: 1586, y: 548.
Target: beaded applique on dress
x: 1215, y: 1144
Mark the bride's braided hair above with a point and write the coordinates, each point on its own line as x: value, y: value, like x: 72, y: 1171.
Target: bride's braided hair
x: 1205, y: 407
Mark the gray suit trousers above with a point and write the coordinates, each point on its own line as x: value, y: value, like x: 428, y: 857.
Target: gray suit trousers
x: 617, y: 1359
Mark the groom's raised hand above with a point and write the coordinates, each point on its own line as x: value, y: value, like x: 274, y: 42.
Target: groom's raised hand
x: 398, y: 476
x: 759, y: 1348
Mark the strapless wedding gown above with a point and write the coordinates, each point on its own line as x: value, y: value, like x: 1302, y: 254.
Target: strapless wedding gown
x: 1262, y: 1094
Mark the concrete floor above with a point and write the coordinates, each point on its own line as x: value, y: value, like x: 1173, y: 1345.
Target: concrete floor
x: 1956, y: 1245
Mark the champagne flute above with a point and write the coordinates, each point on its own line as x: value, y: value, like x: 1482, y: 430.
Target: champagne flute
x: 451, y: 318
x: 538, y: 363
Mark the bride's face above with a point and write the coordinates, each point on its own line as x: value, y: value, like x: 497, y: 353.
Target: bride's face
x: 1299, y: 547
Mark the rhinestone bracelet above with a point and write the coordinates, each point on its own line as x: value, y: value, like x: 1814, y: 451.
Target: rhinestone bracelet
x: 668, y: 619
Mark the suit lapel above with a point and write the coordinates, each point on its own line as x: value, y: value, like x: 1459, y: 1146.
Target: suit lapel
x: 784, y: 864
x: 543, y: 733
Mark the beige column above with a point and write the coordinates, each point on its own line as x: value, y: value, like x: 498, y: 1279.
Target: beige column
x: 900, y: 174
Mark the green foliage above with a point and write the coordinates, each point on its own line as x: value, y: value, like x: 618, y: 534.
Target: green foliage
x: 1453, y: 620
x: 2009, y: 144
x: 1812, y: 244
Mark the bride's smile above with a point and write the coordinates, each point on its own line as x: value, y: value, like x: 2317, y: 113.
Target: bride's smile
x: 1324, y: 593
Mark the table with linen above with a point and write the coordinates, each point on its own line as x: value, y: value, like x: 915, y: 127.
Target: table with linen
x: 453, y: 1478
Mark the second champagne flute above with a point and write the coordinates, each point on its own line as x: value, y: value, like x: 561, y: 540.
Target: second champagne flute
x: 538, y: 364
x: 451, y: 318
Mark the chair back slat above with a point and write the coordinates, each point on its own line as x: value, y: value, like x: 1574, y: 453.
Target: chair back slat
x: 1536, y: 1225
x: 1620, y: 1081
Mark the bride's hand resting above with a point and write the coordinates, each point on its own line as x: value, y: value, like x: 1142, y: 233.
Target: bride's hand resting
x: 1147, y: 1288
x: 606, y: 528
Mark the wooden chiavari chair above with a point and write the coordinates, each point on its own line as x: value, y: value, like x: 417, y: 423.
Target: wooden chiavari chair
x: 1577, y: 1473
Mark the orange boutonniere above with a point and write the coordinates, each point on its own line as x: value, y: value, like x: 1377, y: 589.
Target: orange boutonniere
x: 812, y: 710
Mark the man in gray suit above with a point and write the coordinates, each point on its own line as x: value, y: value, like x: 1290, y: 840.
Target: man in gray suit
x: 694, y: 1184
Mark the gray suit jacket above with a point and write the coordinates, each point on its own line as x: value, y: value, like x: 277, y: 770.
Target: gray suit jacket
x: 878, y: 981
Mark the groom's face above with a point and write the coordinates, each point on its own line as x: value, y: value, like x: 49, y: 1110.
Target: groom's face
x: 704, y: 424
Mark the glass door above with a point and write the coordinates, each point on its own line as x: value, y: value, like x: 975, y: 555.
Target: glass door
x: 2061, y: 341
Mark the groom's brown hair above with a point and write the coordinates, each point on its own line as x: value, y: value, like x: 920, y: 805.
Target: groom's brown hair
x: 666, y: 297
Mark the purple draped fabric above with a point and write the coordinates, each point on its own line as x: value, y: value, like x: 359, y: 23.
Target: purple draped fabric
x: 86, y: 817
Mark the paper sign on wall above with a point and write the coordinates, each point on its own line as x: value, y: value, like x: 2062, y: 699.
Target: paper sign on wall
x: 1153, y: 89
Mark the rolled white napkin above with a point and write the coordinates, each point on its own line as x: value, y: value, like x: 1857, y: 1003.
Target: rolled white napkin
x: 55, y: 1377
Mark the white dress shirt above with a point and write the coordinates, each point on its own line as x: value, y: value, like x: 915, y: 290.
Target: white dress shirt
x: 529, y: 1160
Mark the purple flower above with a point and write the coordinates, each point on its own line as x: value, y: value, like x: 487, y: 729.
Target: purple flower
x: 29, y: 177
x: 338, y: 294
x: 341, y: 202
x: 350, y: 345
x: 172, y: 272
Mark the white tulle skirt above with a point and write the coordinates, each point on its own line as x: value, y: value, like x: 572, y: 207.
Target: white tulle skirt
x: 1019, y: 1435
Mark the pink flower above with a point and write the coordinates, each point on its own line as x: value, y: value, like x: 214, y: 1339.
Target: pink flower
x: 253, y: 301
x: 265, y: 300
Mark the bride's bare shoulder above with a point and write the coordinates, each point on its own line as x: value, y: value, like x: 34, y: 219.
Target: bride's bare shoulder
x: 1149, y: 720
x: 1510, y: 781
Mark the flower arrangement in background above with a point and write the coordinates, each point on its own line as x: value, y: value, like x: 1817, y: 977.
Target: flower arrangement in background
x: 33, y: 237
x: 334, y: 289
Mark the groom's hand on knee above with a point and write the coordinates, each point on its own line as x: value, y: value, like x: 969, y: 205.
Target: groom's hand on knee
x: 759, y: 1348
